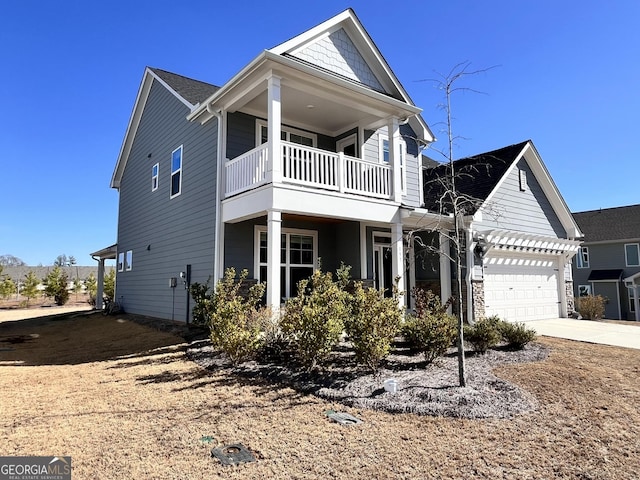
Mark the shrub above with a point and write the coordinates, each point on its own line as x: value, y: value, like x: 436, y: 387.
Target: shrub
x: 482, y: 335
x: 314, y: 319
x: 591, y: 307
x: 56, y: 286
x: 431, y: 330
x: 201, y: 297
x: 372, y: 323
x: 517, y: 335
x: 236, y: 324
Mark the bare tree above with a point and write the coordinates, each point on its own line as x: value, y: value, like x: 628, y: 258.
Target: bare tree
x: 453, y: 205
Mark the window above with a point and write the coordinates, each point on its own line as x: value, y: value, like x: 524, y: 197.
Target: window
x: 632, y: 303
x: 121, y: 262
x: 298, y: 257
x: 582, y: 258
x: 584, y: 290
x: 287, y: 134
x: 176, y: 172
x: 154, y: 177
x: 129, y: 260
x: 632, y: 254
x: 383, y: 144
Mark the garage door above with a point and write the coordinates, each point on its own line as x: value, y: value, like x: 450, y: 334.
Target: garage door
x: 521, y: 288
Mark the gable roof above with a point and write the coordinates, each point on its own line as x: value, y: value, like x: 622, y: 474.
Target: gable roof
x: 348, y: 57
x: 479, y: 177
x: 476, y: 177
x: 193, y: 91
x: 187, y: 90
x: 607, y: 224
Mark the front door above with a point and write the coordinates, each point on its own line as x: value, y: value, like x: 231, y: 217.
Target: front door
x: 382, y: 268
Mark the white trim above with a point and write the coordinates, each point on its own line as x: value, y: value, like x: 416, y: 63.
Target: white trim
x: 120, y: 265
x: 179, y: 171
x: 346, y: 141
x: 128, y: 261
x: 588, y: 290
x: 258, y: 229
x: 402, y: 148
x: 287, y: 130
x: 580, y: 263
x: 626, y: 257
x: 155, y: 177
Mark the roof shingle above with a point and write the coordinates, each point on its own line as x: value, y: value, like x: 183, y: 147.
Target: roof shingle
x: 193, y: 91
x: 605, y: 224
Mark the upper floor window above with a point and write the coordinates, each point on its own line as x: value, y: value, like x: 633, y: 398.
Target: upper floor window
x: 632, y: 254
x: 383, y: 145
x: 121, y: 262
x: 155, y: 170
x: 176, y: 172
x: 129, y: 260
x: 287, y: 134
x: 582, y: 258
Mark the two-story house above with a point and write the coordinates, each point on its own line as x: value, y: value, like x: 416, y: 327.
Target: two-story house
x: 312, y: 151
x: 608, y: 262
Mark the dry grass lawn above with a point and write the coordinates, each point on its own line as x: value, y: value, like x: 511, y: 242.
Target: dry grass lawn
x: 123, y: 401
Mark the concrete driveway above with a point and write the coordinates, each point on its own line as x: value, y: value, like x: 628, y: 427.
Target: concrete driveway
x: 589, y: 331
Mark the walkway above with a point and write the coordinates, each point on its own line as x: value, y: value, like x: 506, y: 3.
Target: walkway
x: 589, y: 331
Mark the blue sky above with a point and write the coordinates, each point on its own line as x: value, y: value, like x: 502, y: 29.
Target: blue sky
x: 567, y: 76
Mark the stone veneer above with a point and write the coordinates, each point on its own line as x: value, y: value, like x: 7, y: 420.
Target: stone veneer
x: 571, y: 306
x: 477, y: 290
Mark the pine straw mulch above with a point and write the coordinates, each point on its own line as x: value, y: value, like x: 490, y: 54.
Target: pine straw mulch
x: 125, y: 402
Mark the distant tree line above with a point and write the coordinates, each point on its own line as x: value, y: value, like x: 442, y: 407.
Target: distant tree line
x: 57, y: 284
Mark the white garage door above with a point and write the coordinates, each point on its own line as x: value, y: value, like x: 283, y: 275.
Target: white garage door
x: 521, y: 288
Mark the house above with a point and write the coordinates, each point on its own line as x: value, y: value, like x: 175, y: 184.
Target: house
x: 312, y: 151
x: 518, y: 233
x: 608, y: 262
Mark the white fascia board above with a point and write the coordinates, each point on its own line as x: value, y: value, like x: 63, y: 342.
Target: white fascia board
x: 203, y: 114
x: 294, y: 200
x: 551, y: 191
x: 421, y: 218
x: 134, y: 121
x: 202, y: 109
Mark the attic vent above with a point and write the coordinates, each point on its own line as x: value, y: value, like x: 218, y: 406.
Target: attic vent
x: 523, y: 180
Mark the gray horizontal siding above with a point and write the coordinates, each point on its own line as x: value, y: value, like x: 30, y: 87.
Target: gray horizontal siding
x: 528, y: 211
x: 166, y: 234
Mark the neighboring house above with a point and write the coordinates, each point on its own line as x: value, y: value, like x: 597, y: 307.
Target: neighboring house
x: 18, y: 274
x: 608, y: 262
x: 312, y: 151
x: 518, y: 232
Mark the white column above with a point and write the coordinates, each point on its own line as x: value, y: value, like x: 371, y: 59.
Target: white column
x: 274, y: 126
x: 274, y: 230
x: 395, y: 159
x: 100, y: 292
x: 397, y: 260
x: 445, y: 269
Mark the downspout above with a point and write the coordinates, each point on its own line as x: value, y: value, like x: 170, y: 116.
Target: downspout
x: 219, y: 163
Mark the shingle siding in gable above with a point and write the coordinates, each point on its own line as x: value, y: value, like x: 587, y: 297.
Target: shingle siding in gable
x: 528, y: 211
x: 166, y: 234
x: 337, y: 53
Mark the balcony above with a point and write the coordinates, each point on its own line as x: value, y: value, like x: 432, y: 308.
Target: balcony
x: 309, y: 167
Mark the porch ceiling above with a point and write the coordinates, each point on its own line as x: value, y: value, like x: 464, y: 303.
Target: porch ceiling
x: 337, y: 104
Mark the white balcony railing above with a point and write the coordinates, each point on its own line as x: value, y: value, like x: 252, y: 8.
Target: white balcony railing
x: 311, y: 167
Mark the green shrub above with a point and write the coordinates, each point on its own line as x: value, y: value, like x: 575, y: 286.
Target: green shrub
x: 516, y: 335
x: 56, y: 286
x: 482, y: 335
x: 591, y: 307
x: 431, y: 330
x: 236, y: 324
x: 314, y: 319
x: 373, y: 322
